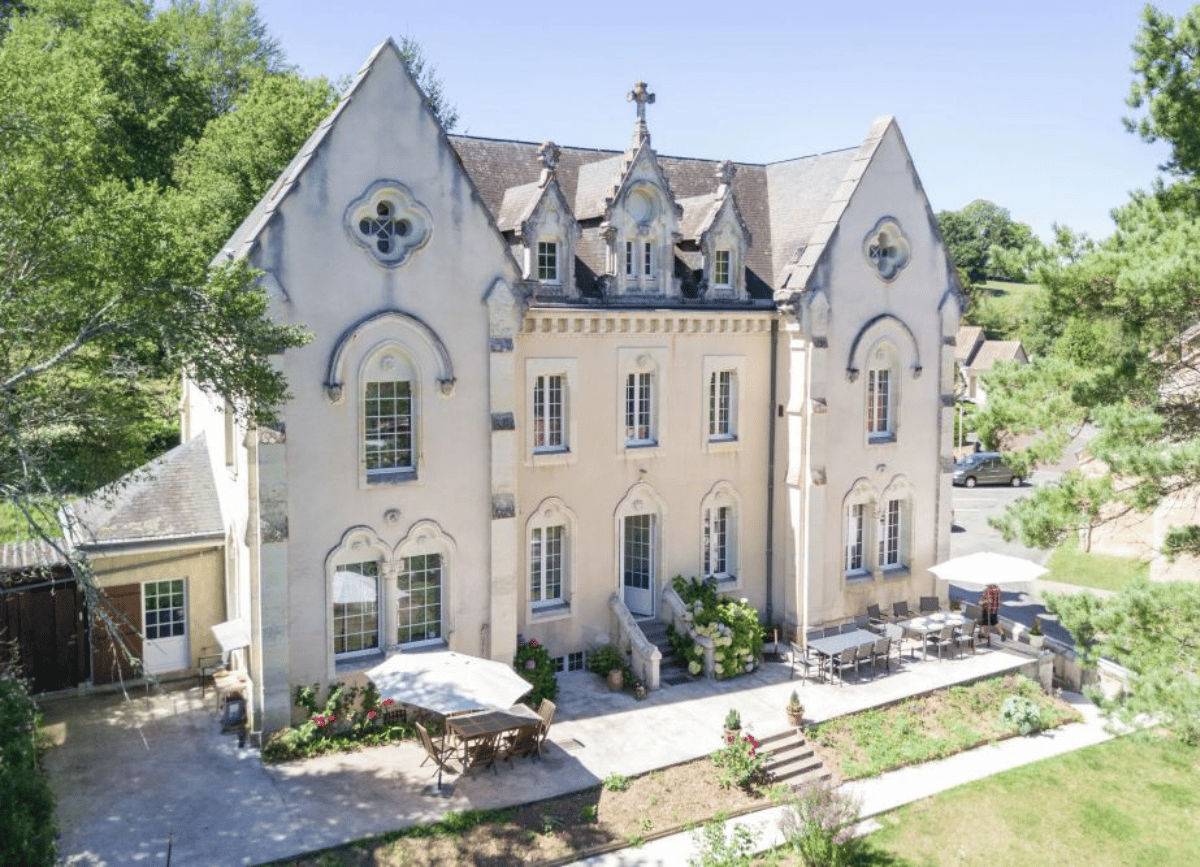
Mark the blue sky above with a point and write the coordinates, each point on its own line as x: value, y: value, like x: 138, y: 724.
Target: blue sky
x: 1017, y: 102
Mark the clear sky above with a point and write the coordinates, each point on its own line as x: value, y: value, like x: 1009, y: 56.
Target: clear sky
x: 1018, y: 102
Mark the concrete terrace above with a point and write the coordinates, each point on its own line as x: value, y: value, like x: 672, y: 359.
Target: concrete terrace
x: 131, y: 775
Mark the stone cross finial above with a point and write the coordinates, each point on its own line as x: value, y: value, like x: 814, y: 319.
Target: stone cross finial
x: 642, y: 96
x: 725, y: 172
x: 548, y: 155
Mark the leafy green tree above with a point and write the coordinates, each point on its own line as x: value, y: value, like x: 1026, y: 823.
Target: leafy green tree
x: 222, y: 43
x: 1153, y: 630
x: 1166, y: 86
x: 986, y: 243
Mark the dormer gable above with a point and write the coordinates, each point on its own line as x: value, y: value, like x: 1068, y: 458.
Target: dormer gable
x: 641, y: 218
x: 538, y: 220
x: 713, y: 225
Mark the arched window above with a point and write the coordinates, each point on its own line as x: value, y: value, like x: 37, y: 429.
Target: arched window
x: 550, y: 532
x: 895, y: 526
x: 719, y: 534
x: 639, y: 531
x: 858, y: 513
x: 354, y: 594
x: 389, y: 401
x: 882, y: 382
x: 424, y: 561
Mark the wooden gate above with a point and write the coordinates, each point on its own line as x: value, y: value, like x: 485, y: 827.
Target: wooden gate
x: 46, y: 624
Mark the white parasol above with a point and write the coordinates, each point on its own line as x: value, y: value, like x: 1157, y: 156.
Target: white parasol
x: 978, y: 570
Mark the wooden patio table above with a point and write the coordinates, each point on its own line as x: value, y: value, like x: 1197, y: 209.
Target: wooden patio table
x: 485, y: 727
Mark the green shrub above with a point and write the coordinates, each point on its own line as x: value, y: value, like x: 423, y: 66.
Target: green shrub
x: 26, y: 801
x: 350, y: 718
x: 731, y: 624
x: 820, y: 823
x: 740, y: 763
x: 1021, y: 713
x: 533, y: 663
x: 606, y: 658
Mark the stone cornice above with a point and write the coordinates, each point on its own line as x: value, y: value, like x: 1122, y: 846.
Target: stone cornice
x: 604, y: 322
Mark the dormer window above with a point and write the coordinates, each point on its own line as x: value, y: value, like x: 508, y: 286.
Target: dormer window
x: 547, y: 262
x: 722, y: 272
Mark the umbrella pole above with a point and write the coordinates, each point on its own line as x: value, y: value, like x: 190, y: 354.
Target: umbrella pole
x: 438, y: 790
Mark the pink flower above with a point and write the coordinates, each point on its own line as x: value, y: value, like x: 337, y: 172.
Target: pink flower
x: 388, y: 701
x: 332, y: 718
x: 370, y: 714
x: 320, y: 721
x: 530, y: 665
x: 533, y: 642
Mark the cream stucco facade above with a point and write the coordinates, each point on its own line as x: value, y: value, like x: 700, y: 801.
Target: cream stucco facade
x: 541, y: 378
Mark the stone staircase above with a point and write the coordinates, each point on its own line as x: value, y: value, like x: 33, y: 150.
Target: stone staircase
x: 670, y: 672
x: 791, y: 760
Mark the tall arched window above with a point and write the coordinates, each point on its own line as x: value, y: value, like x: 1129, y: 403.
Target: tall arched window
x: 639, y: 531
x: 389, y: 416
x: 858, y: 511
x: 719, y: 534
x: 355, y: 595
x: 424, y: 561
x: 550, y: 532
x: 882, y: 381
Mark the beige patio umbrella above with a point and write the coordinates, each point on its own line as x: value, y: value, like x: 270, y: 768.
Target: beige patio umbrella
x: 976, y: 571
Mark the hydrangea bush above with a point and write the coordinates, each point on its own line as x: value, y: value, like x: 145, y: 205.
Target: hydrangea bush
x: 731, y: 624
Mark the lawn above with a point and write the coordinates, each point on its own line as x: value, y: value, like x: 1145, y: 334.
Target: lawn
x: 1002, y: 308
x: 1127, y: 802
x: 1103, y: 571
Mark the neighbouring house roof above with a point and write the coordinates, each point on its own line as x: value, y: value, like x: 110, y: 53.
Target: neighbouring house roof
x: 172, y: 498
x: 993, y: 351
x: 966, y: 343
x: 30, y: 554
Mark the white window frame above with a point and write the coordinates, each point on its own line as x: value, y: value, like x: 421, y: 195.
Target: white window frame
x: 642, y: 499
x: 424, y: 539
x: 640, y: 409
x: 858, y: 532
x: 389, y: 364
x: 736, y: 366
x: 535, y: 369
x: 347, y: 565
x: 547, y: 267
x: 653, y: 361
x: 722, y: 276
x: 551, y: 513
x: 720, y: 534
x: 722, y: 405
x: 881, y: 383
x: 891, y: 527
x: 549, y: 412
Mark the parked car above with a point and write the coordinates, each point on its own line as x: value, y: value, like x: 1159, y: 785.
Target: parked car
x: 984, y: 468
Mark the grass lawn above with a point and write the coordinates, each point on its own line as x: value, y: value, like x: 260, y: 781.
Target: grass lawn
x: 14, y: 527
x: 1127, y: 802
x: 1001, y: 308
x: 1103, y: 571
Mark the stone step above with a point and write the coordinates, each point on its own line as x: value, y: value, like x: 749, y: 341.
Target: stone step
x: 791, y: 760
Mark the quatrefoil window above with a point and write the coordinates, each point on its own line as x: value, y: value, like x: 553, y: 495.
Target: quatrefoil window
x: 886, y: 249
x: 388, y: 222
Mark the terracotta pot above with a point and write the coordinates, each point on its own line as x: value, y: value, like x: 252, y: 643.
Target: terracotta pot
x: 731, y: 733
x: 616, y: 680
x: 795, y: 716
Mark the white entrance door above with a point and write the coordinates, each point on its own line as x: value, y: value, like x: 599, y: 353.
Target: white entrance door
x: 164, y: 615
x: 637, y: 564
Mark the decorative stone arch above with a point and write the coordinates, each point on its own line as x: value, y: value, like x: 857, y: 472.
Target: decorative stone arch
x: 881, y: 327
x: 900, y: 489
x: 421, y: 342
x: 423, y: 538
x: 722, y: 494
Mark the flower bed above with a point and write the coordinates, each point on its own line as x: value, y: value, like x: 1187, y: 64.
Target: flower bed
x: 731, y: 624
x: 350, y: 719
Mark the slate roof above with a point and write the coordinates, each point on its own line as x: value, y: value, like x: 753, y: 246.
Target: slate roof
x: 993, y: 351
x: 172, y: 498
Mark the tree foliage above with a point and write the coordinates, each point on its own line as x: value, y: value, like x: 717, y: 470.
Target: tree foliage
x: 1166, y: 86
x: 1153, y: 630
x: 985, y: 242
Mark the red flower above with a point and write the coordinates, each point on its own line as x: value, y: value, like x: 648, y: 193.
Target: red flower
x: 320, y: 721
x: 533, y: 642
x: 332, y: 718
x: 387, y: 701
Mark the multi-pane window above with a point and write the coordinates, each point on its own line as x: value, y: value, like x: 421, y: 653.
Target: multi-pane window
x: 547, y: 261
x: 548, y: 412
x: 889, y: 534
x: 716, y: 542
x: 856, y: 538
x: 388, y: 429
x: 419, y: 592
x: 164, y: 611
x: 721, y: 268
x: 629, y: 258
x: 356, y: 608
x: 639, y: 408
x: 638, y: 559
x: 647, y: 259
x: 720, y: 404
x: 546, y: 565
x: 879, y: 402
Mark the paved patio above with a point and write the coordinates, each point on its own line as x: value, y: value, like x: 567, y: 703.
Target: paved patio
x: 131, y: 776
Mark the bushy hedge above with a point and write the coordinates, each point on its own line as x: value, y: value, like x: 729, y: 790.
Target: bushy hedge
x: 732, y: 624
x: 26, y: 802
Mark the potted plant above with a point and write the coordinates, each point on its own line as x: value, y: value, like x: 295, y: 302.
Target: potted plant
x: 608, y: 662
x: 795, y: 710
x: 1036, y: 639
x: 733, y: 724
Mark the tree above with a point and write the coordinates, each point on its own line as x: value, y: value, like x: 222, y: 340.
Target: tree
x: 986, y: 243
x: 1153, y: 630
x: 1167, y: 86
x: 222, y: 43
x: 426, y: 76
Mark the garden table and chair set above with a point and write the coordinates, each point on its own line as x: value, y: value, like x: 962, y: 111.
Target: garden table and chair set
x: 481, y: 739
x: 871, y: 638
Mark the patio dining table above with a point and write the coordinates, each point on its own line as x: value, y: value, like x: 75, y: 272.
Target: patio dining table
x: 833, y: 644
x: 485, y: 728
x: 929, y: 623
